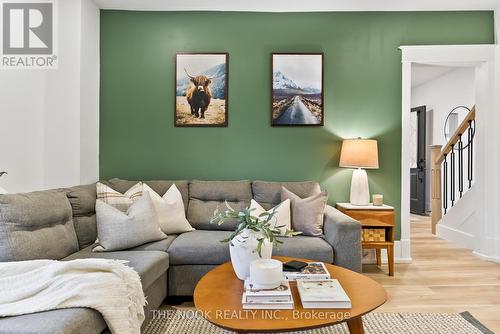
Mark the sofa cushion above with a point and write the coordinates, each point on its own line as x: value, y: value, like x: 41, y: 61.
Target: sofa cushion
x: 199, y: 247
x: 82, y: 200
x: 268, y: 194
x: 118, y: 230
x: 204, y: 247
x: 282, y: 215
x: 65, y: 321
x: 116, y: 199
x: 169, y: 210
x: 206, y: 196
x: 307, y: 213
x: 37, y: 225
x: 160, y: 245
x: 160, y: 186
x: 312, y: 248
x: 148, y: 264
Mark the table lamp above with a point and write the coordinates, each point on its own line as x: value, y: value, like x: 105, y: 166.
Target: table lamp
x: 359, y: 153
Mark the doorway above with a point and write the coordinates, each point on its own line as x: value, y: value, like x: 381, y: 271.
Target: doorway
x: 418, y: 170
x: 481, y: 58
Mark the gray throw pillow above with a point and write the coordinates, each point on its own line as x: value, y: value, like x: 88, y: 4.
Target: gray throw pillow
x: 307, y: 213
x: 117, y: 230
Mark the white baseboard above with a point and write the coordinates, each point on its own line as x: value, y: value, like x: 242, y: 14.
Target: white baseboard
x: 458, y: 237
x: 402, y: 253
x: 490, y: 246
x: 487, y: 257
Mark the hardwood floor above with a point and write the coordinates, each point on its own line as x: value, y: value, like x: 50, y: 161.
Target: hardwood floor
x: 442, y: 278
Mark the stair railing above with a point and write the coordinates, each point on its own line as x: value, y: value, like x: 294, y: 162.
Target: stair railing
x: 446, y: 194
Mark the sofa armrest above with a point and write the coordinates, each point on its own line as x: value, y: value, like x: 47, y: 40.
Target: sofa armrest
x: 344, y: 235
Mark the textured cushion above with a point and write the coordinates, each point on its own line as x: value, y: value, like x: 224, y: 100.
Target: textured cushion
x: 66, y: 321
x: 206, y: 196
x: 282, y: 216
x: 160, y: 186
x: 148, y: 264
x: 169, y: 210
x: 117, y: 230
x: 268, y: 194
x: 160, y: 245
x: 37, y: 225
x: 199, y: 247
x: 82, y: 199
x: 307, y: 213
x: 208, y: 249
x: 116, y: 199
x: 312, y: 248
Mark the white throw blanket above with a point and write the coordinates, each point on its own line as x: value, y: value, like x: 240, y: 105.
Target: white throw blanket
x: 108, y: 286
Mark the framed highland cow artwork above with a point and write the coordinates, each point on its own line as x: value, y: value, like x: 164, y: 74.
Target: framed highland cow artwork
x: 297, y: 89
x: 201, y: 81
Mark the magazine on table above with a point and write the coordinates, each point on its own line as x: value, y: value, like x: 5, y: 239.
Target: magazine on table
x: 277, y: 298
x: 326, y: 293
x: 314, y: 270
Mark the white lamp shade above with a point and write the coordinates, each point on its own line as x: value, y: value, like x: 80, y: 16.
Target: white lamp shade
x: 359, y: 153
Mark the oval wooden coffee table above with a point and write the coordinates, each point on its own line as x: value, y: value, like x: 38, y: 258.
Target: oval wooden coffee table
x: 218, y: 297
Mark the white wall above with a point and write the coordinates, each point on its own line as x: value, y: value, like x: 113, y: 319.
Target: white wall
x: 89, y: 93
x: 21, y: 129
x: 441, y: 95
x: 61, y: 105
x: 49, y: 118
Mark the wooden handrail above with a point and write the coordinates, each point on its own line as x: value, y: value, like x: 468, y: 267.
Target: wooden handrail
x: 471, y: 116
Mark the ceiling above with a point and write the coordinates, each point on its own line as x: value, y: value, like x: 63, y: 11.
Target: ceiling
x: 421, y: 74
x: 298, y: 5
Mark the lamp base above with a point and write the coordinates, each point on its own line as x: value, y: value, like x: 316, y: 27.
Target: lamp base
x: 360, y: 193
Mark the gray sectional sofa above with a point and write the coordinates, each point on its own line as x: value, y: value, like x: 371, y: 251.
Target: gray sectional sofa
x: 60, y: 224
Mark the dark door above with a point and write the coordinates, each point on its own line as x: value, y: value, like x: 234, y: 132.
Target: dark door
x: 418, y: 174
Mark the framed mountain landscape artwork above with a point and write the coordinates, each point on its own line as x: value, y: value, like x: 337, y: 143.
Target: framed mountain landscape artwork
x: 297, y: 89
x: 201, y: 89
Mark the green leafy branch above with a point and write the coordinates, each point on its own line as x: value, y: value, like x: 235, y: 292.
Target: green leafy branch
x: 261, y: 224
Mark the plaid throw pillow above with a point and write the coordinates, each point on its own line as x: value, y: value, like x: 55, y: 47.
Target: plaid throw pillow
x: 118, y: 200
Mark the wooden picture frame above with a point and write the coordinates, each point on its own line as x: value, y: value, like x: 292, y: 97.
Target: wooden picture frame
x: 297, y: 91
x: 197, y: 73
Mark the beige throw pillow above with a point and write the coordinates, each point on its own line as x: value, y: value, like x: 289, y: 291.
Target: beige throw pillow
x: 116, y: 199
x: 281, y: 217
x: 169, y: 210
x: 307, y: 213
x: 117, y: 230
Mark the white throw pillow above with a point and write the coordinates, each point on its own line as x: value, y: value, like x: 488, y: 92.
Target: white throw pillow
x: 281, y: 218
x: 116, y: 199
x: 119, y: 230
x: 169, y: 210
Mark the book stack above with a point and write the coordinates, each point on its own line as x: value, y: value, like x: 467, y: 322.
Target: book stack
x: 279, y: 298
x: 314, y: 271
x: 325, y: 293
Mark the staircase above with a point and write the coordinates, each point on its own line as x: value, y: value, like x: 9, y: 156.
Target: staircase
x: 452, y: 185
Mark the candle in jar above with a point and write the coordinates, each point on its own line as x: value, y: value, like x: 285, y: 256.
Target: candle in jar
x: 378, y: 200
x: 266, y: 273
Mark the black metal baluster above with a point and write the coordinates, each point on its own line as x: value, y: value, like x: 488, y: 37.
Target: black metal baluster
x: 452, y: 176
x: 460, y: 166
x: 445, y: 184
x: 470, y: 153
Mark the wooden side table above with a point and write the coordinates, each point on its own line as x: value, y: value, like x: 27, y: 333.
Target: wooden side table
x: 375, y: 217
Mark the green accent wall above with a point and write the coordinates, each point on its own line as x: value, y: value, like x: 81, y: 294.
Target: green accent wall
x: 362, y: 93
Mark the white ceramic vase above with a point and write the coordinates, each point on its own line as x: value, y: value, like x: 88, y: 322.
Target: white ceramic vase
x: 243, y: 251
